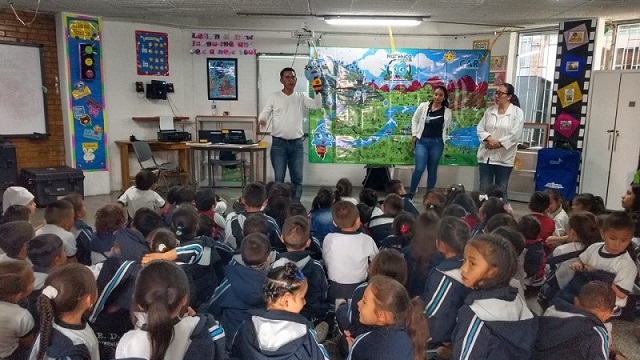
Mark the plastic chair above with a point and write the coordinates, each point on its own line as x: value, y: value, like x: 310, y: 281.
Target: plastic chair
x: 144, y: 154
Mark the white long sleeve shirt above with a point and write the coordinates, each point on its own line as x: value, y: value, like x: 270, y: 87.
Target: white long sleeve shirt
x: 507, y: 129
x: 418, y: 120
x: 286, y: 113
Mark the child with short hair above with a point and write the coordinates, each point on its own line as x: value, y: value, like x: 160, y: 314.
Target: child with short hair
x: 45, y: 252
x: 402, y: 228
x: 380, y: 226
x: 577, y: 331
x: 516, y: 239
x: 444, y: 292
x: 422, y: 253
x: 347, y: 252
x: 14, y: 237
x: 611, y: 256
x: 535, y: 257
x: 110, y: 224
x: 16, y: 213
x: 181, y: 195
x: 17, y: 195
x: 490, y: 207
x: 130, y: 244
x: 320, y: 216
x: 69, y: 292
x: 16, y: 323
x: 400, y: 328
x: 253, y: 198
x: 142, y: 194
x: 206, y: 203
x: 495, y: 322
x: 538, y: 204
x: 81, y: 230
x: 169, y: 331
x: 396, y: 187
x: 296, y: 238
x: 59, y: 217
x: 388, y: 262
x: 344, y: 190
x: 454, y: 210
x: 241, y: 289
x: 284, y: 291
x: 501, y: 220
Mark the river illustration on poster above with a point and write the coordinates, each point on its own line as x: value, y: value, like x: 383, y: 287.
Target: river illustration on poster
x: 370, y: 96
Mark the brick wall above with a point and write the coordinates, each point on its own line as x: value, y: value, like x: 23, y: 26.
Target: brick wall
x: 48, y: 152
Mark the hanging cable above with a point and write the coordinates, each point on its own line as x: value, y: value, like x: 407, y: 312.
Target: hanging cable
x: 22, y: 21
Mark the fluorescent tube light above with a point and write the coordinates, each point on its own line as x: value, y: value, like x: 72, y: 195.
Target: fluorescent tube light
x: 372, y: 21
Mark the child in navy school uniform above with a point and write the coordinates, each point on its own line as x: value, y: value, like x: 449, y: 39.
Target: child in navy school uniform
x: 254, y: 197
x: 402, y: 232
x: 388, y: 262
x: 179, y: 195
x: 241, y: 290
x: 399, y: 328
x: 16, y: 323
x: 422, y: 254
x: 320, y: 215
x: 161, y: 296
x: 69, y: 292
x: 445, y: 292
x: 494, y: 323
x: 396, y: 187
x: 534, y: 258
x: 295, y: 236
x: 110, y: 221
x: 81, y: 230
x: 576, y: 331
x: 381, y: 226
x: 492, y: 206
x: 206, y: 204
x: 284, y: 291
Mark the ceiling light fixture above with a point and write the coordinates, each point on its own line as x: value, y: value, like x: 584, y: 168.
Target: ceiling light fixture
x: 372, y: 20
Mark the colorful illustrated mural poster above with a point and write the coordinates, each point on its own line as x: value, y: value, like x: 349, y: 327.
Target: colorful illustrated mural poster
x: 88, y: 121
x: 222, y: 44
x: 222, y: 79
x: 152, y: 53
x: 370, y: 96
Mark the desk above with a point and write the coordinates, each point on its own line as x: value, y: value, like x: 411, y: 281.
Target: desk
x: 125, y: 148
x: 251, y: 149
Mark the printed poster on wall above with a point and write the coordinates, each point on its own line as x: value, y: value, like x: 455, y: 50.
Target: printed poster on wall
x: 222, y: 44
x: 370, y: 96
x: 88, y: 121
x: 152, y: 53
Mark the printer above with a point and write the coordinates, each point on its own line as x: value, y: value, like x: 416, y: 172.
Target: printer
x: 168, y: 132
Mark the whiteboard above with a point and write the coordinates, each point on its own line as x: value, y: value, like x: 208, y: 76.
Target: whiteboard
x: 22, y: 102
x: 269, y: 66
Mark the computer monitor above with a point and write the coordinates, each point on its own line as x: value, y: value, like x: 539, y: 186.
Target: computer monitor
x: 235, y: 136
x: 211, y: 136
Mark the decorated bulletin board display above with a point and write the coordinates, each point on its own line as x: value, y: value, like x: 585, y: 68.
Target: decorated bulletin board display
x: 152, y: 53
x: 222, y: 44
x: 86, y: 93
x: 574, y: 61
x: 370, y: 96
x: 222, y: 79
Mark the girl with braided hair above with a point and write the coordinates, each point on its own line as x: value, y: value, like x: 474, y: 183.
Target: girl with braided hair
x: 284, y: 290
x: 494, y: 322
x: 69, y: 292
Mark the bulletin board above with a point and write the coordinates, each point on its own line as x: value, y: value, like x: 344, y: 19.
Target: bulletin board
x: 23, y: 109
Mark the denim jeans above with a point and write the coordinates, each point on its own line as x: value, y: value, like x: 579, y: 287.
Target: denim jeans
x: 495, y: 174
x: 288, y: 153
x: 428, y: 152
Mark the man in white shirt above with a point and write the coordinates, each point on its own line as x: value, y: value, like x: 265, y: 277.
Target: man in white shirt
x: 286, y: 110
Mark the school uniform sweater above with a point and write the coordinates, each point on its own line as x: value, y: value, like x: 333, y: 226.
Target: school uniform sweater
x: 316, y: 305
x: 382, y: 343
x: 494, y: 324
x: 394, y: 242
x: 72, y: 342
x: 233, y: 231
x: 354, y: 325
x: 294, y: 340
x: 194, y: 337
x: 416, y: 280
x: 321, y: 221
x: 380, y: 227
x: 83, y: 233
x: 201, y: 274
x: 444, y: 295
x: 567, y: 332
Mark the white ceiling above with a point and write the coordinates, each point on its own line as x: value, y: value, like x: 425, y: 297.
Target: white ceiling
x: 288, y: 14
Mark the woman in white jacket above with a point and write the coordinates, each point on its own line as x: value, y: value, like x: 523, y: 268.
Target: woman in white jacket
x: 499, y: 131
x: 429, y: 130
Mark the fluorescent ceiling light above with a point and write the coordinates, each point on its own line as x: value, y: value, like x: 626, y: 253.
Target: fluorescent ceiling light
x: 372, y: 20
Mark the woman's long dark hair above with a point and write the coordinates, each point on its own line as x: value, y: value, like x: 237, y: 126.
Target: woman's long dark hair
x: 511, y: 92
x: 445, y: 102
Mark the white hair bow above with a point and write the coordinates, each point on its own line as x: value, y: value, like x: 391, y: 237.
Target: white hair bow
x: 50, y: 292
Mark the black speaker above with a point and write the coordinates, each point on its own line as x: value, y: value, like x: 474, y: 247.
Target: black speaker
x: 87, y: 63
x: 8, y: 165
x: 157, y: 90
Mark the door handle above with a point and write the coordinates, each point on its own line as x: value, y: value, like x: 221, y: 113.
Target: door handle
x: 615, y: 140
x: 609, y: 141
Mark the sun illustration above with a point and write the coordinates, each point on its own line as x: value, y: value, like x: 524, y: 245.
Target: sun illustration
x: 449, y: 56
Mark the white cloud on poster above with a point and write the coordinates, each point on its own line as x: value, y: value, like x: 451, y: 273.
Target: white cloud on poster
x: 375, y: 63
x: 422, y: 62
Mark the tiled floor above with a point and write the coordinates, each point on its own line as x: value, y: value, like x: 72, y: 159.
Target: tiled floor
x: 624, y: 340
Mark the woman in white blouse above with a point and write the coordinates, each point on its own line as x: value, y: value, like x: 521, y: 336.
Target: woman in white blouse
x: 499, y: 131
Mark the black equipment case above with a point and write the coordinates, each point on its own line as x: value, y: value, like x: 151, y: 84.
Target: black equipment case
x: 47, y: 184
x: 8, y: 165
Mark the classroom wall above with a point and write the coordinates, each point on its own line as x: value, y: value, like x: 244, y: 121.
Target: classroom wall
x: 187, y: 72
x: 49, y: 151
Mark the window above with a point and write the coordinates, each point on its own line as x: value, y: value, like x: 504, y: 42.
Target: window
x: 534, y: 74
x: 627, y: 47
